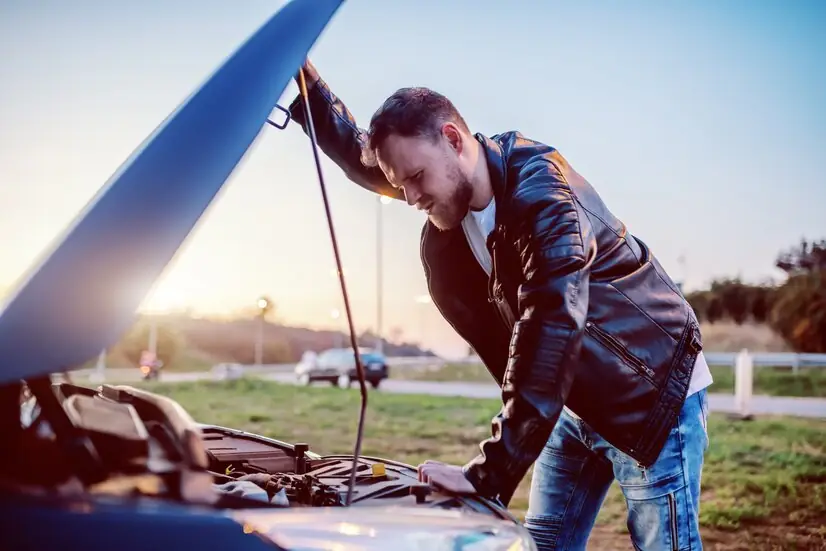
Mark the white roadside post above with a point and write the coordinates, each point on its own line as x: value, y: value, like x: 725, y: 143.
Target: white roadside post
x: 743, y: 383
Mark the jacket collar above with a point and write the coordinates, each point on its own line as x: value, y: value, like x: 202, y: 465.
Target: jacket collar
x: 497, y: 168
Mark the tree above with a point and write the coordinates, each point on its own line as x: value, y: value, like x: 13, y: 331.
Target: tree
x: 796, y: 310
x: 799, y: 311
x: 799, y: 314
x: 715, y: 310
x: 762, y: 301
x: 699, y: 301
x: 734, y: 296
x: 805, y: 258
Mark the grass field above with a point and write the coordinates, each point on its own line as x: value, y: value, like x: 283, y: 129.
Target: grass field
x: 764, y: 482
x: 767, y: 380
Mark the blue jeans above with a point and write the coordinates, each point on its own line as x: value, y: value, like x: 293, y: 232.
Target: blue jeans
x: 572, y: 476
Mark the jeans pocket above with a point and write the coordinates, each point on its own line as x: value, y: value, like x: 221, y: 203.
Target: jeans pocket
x: 656, y: 514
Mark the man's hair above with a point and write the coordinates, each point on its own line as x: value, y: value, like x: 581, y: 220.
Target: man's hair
x: 409, y: 112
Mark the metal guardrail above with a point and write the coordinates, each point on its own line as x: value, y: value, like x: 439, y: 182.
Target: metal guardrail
x: 791, y: 360
x: 760, y: 359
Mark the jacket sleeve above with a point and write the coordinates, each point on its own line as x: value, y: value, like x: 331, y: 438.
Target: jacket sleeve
x: 556, y: 250
x: 340, y: 138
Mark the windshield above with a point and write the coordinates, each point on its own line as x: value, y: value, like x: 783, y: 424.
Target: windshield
x: 371, y: 356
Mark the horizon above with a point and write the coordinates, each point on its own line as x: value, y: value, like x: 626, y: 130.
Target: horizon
x: 675, y: 131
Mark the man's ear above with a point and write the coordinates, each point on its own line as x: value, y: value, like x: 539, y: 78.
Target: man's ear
x: 453, y: 136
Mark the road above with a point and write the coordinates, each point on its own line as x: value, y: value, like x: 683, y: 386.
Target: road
x: 724, y: 403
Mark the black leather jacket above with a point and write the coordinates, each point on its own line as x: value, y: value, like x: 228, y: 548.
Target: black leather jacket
x: 576, y: 311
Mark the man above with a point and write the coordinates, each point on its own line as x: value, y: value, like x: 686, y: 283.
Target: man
x: 597, y: 352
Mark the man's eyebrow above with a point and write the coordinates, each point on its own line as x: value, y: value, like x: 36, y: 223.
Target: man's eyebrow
x: 412, y: 173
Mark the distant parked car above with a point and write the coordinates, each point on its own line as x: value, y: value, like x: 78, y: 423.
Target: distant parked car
x: 338, y: 366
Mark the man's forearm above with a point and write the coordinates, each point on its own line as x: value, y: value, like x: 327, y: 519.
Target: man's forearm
x: 547, y: 338
x: 520, y: 432
x: 338, y: 135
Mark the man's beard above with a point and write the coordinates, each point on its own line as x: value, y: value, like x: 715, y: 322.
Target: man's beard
x: 449, y: 214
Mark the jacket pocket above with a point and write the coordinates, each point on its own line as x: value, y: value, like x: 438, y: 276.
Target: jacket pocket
x: 620, y: 351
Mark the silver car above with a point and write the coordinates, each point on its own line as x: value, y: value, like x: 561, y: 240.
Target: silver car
x: 338, y: 367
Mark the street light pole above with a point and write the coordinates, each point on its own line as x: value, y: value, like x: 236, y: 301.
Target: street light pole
x: 335, y: 314
x: 422, y: 300
x: 263, y: 306
x: 259, y: 341
x: 382, y: 200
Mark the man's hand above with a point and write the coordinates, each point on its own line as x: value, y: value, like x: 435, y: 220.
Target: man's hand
x: 448, y: 477
x: 310, y: 74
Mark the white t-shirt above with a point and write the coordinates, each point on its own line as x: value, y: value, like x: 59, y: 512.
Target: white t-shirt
x: 478, y: 225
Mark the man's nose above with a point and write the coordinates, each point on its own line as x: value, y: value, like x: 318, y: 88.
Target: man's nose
x: 411, y: 196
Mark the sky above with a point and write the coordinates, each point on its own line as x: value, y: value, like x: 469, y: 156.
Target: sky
x: 702, y: 125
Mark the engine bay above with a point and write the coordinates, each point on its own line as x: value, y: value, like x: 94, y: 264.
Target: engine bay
x: 131, y: 442
x: 307, y: 479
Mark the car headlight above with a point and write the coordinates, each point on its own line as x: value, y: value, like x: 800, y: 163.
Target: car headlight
x: 510, y: 539
x: 525, y: 543
x: 521, y: 542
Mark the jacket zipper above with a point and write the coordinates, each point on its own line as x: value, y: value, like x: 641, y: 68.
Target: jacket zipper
x: 504, y: 312
x: 611, y: 343
x: 498, y: 298
x: 672, y: 509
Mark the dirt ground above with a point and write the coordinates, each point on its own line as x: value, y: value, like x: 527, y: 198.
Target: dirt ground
x: 753, y: 538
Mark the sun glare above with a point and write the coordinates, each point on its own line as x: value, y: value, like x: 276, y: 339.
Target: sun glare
x: 164, y: 300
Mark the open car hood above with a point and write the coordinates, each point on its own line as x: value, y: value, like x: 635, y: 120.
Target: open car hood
x: 83, y: 296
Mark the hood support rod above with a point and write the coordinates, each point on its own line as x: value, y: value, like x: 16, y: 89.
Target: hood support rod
x: 359, y: 367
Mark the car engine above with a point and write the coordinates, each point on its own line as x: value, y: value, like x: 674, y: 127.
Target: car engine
x: 302, y: 478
